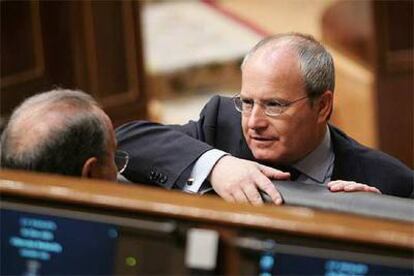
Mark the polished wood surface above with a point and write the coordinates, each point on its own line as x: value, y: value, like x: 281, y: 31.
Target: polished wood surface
x: 206, y: 209
x: 95, y: 46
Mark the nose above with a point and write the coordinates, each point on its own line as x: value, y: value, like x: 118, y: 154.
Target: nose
x: 257, y: 118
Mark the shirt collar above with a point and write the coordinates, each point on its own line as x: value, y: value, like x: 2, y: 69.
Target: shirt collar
x: 316, y: 164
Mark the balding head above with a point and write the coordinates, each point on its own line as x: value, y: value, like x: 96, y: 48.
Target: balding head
x: 57, y: 132
x: 315, y: 63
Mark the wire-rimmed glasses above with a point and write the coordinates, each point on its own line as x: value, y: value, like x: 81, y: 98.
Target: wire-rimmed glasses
x: 121, y: 160
x: 272, y: 107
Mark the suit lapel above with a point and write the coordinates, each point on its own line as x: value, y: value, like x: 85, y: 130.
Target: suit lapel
x: 346, y: 165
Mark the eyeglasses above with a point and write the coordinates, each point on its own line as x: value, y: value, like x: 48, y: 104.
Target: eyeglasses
x: 271, y: 107
x: 121, y: 160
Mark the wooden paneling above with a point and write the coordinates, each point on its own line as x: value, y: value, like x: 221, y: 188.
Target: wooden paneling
x: 90, y: 45
x: 25, y: 62
x: 110, y: 55
x: 378, y: 37
x: 109, y: 60
x: 393, y: 45
x: 22, y: 52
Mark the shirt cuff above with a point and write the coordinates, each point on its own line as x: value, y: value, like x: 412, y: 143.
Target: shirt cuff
x: 202, y: 169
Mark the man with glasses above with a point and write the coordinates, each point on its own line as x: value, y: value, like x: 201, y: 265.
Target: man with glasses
x: 63, y: 132
x: 276, y: 128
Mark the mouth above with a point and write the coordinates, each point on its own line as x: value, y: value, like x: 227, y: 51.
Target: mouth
x: 263, y: 138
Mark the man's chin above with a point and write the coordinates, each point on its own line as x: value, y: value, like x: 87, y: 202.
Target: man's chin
x: 266, y: 158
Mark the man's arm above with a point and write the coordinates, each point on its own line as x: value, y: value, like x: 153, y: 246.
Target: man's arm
x: 153, y: 158
x: 158, y: 154
x: 165, y: 155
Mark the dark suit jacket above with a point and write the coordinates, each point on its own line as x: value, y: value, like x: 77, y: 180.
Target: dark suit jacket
x: 164, y: 155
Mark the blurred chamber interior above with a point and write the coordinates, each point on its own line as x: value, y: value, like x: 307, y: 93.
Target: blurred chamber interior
x: 162, y: 60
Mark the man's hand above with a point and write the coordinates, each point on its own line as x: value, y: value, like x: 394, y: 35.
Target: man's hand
x: 238, y: 180
x: 350, y: 186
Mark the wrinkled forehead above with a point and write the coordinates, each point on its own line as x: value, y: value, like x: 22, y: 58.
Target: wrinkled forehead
x: 272, y: 65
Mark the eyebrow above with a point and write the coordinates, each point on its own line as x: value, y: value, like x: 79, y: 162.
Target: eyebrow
x: 281, y: 100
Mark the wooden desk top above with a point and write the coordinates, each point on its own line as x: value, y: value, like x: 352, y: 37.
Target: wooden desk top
x: 211, y: 209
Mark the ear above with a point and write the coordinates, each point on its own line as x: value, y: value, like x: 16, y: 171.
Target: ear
x: 325, y: 106
x: 90, y: 167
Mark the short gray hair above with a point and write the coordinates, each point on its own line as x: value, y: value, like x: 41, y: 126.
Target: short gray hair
x: 66, y: 130
x: 316, y: 63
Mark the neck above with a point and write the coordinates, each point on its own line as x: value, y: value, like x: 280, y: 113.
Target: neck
x: 318, y: 141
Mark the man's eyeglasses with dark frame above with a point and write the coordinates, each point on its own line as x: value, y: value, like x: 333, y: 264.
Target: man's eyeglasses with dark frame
x: 121, y: 160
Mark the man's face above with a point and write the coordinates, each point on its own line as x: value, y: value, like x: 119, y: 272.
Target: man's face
x: 288, y: 137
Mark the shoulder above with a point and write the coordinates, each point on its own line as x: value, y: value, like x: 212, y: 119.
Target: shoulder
x: 220, y: 110
x: 219, y: 103
x: 221, y: 124
x: 346, y: 145
x: 372, y: 167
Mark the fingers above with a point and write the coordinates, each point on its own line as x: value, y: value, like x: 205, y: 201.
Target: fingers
x: 252, y: 194
x: 239, y: 196
x: 360, y: 187
x: 354, y: 187
x: 243, y: 192
x: 273, y: 173
x: 247, y: 193
x: 336, y: 186
x: 226, y: 196
x: 374, y: 190
x: 260, y: 180
x: 237, y: 180
x: 350, y: 186
x: 264, y: 184
x: 250, y: 191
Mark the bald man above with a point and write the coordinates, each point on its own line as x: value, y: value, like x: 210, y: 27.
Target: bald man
x: 277, y: 127
x: 62, y: 132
